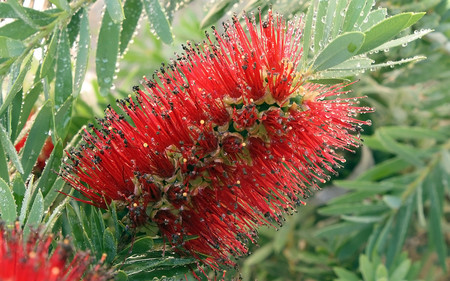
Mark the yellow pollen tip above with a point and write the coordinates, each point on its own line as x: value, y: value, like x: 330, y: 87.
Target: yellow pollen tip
x: 251, y: 100
x: 55, y: 270
x: 110, y: 128
x: 129, y: 96
x: 244, y: 144
x: 66, y: 241
x: 238, y: 182
x: 32, y: 255
x: 145, y: 144
x: 202, y: 122
x: 184, y: 160
x: 104, y: 255
x: 283, y: 159
x: 184, y: 194
x: 135, y: 204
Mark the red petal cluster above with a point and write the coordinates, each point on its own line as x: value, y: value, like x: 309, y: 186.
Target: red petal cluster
x: 31, y: 261
x: 226, y: 138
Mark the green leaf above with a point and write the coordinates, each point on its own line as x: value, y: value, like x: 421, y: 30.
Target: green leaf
x: 400, y: 230
x: 4, y: 173
x: 434, y: 190
x: 393, y: 202
x: 407, y: 153
x: 403, y: 40
x: 339, y: 50
x: 307, y: 34
x: 415, y: 18
x: 73, y: 28
x: 328, y: 22
x: 158, y: 20
x: 28, y: 103
x: 378, y: 237
x: 344, y: 274
x: 36, y: 214
x: 217, y: 11
x: 320, y: 23
x: 49, y: 59
x: 20, y: 11
x: 415, y: 133
x: 115, y: 10
x: 82, y: 54
x: 384, y: 169
x: 17, y: 84
x: 338, y: 18
x: 19, y: 190
x: 342, y: 228
x: 62, y: 4
x: 367, y: 269
x: 63, y: 84
x: 132, y: 10
x: 10, y: 47
x: 381, y: 273
x: 121, y: 276
x: 354, y: 9
x: 107, y: 51
x: 38, y: 17
x: 24, y: 210
x: 362, y: 219
x: 109, y: 245
x: 384, y: 31
x: 17, y: 29
x: 363, y: 15
x: 140, y: 246
x: 8, y: 208
x: 363, y: 186
x: 63, y: 117
x: 53, y: 192
x: 351, y: 208
x: 39, y: 132
x: 259, y: 255
x: 373, y: 18
x: 401, y: 271
x: 9, y: 149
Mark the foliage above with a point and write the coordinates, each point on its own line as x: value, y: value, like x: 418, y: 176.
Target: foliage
x: 391, y: 217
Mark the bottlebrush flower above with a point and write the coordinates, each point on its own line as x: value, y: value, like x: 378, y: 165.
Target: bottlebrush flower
x: 31, y: 261
x: 226, y: 138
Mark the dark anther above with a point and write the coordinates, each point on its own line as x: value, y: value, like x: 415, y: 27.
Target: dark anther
x: 136, y: 88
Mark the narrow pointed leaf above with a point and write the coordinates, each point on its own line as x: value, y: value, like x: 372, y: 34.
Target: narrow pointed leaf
x: 339, y: 50
x: 115, y: 10
x: 9, y: 149
x: 20, y: 11
x: 37, y: 136
x: 354, y: 9
x: 158, y: 20
x: 107, y: 52
x: 63, y: 84
x: 18, y: 84
x: 133, y: 11
x: 8, y: 208
x: 384, y: 31
x: 49, y: 59
x: 35, y: 215
x: 82, y: 54
x: 373, y: 18
x: 10, y: 47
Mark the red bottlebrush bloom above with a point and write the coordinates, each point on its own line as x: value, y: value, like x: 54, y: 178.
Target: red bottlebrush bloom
x: 226, y: 138
x: 31, y: 261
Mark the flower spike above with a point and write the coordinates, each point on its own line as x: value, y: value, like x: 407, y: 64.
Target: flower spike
x: 227, y: 138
